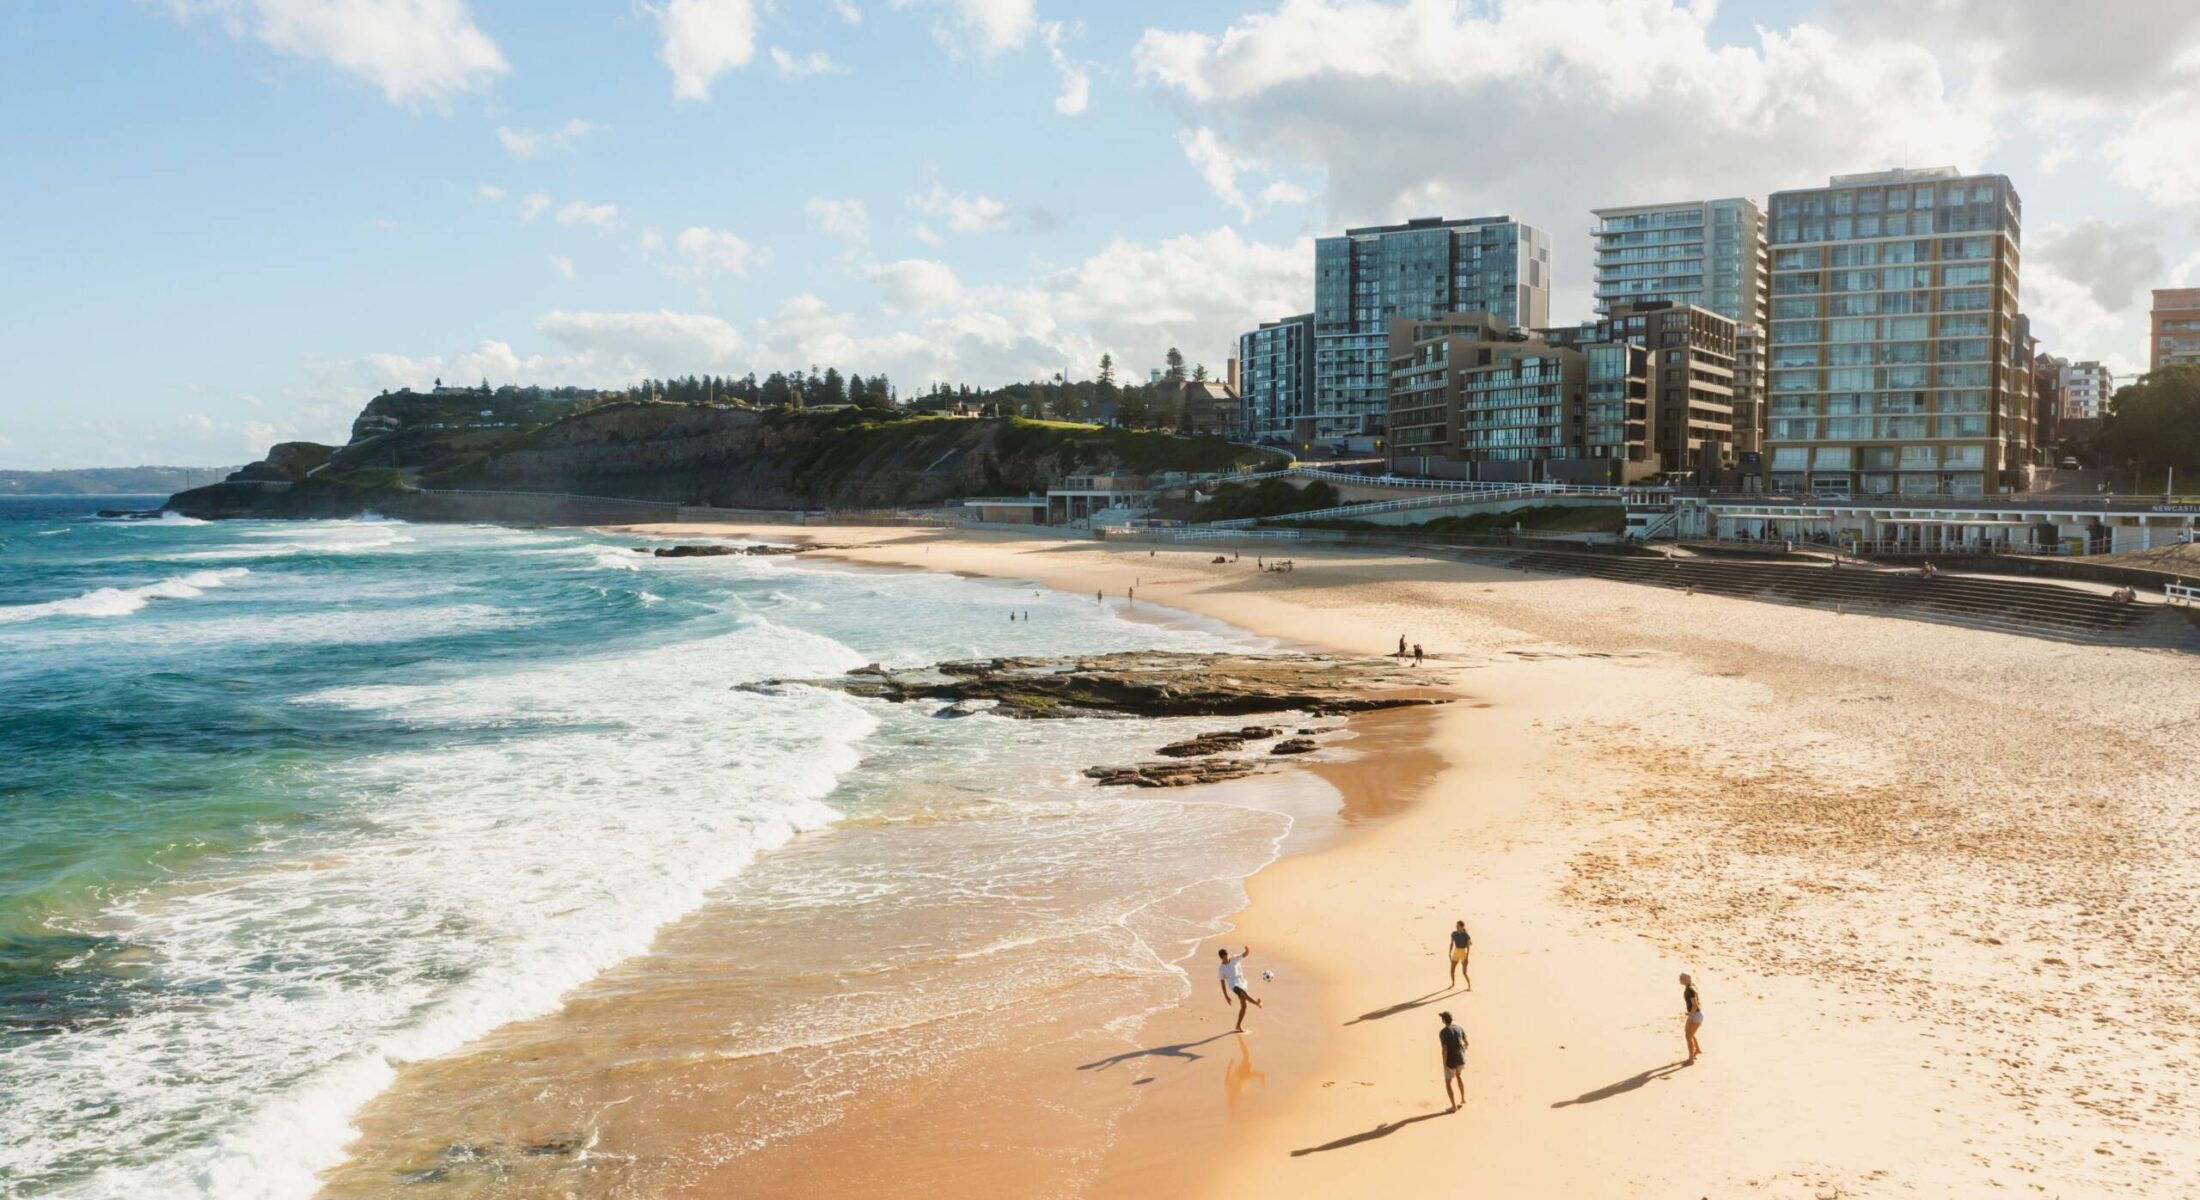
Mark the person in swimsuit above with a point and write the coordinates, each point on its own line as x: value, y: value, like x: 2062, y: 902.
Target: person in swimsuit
x: 1416, y: 654
x: 1693, y: 1005
x: 1232, y: 977
x: 1453, y: 1041
x: 1462, y: 944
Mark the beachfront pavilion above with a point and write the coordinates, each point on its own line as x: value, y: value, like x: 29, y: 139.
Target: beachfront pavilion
x: 1983, y: 526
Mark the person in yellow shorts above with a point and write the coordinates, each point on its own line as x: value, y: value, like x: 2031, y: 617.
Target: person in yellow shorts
x: 1462, y: 944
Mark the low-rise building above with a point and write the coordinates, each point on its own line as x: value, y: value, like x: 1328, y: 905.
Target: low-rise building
x: 1473, y: 398
x: 1211, y: 406
x: 1692, y: 371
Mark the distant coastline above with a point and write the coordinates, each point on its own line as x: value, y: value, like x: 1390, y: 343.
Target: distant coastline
x: 109, y: 481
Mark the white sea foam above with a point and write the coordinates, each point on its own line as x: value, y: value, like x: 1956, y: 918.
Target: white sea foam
x: 453, y: 896
x: 121, y: 602
x: 543, y: 821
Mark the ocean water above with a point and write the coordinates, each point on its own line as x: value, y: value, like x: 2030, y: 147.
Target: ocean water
x: 285, y: 807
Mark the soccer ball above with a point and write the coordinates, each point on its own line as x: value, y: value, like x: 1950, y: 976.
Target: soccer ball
x: 1267, y: 976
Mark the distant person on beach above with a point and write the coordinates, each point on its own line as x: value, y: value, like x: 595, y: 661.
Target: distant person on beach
x: 1401, y: 645
x: 1693, y: 1004
x: 1462, y: 945
x: 1453, y: 1040
x: 1417, y: 656
x: 1233, y: 981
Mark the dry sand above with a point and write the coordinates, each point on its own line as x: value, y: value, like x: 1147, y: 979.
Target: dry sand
x: 1937, y: 888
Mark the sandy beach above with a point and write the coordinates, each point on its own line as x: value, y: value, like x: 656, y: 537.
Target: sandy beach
x: 1934, y: 884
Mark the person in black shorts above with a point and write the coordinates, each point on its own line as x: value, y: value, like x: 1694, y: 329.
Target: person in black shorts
x: 1453, y: 1041
x: 1462, y: 944
x: 1693, y: 1005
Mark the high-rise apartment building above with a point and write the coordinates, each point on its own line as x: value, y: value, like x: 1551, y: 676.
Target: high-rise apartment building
x: 2173, y: 333
x: 1692, y: 372
x: 1707, y: 253
x: 1894, y: 309
x: 1472, y: 398
x: 1421, y: 269
x: 1276, y: 379
x: 2086, y: 388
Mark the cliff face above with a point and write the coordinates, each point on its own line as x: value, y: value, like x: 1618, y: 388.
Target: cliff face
x: 743, y: 458
x: 691, y: 454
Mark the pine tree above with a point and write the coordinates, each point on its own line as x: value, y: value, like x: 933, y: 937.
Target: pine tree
x: 1107, y: 368
x: 1175, y: 360
x: 1199, y: 373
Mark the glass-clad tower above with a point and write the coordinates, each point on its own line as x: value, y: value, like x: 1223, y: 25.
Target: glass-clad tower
x: 1419, y: 270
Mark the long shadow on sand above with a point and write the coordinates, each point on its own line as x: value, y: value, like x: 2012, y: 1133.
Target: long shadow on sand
x: 1628, y: 1084
x: 1181, y: 1050
x: 1401, y: 1006
x: 1368, y: 1135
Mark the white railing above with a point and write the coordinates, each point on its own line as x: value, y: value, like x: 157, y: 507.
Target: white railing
x: 1409, y: 503
x: 1426, y: 485
x: 1211, y: 533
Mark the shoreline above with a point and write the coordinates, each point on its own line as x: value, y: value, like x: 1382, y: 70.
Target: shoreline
x: 1762, y: 795
x: 488, y: 1086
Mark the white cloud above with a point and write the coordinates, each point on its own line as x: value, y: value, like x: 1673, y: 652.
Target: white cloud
x: 993, y: 25
x: 924, y: 234
x: 817, y: 62
x: 703, y: 39
x: 580, y: 212
x: 489, y: 192
x: 526, y: 143
x: 532, y: 206
x: 848, y: 12
x: 2158, y: 153
x: 646, y: 342
x: 1562, y: 106
x: 963, y: 213
x: 847, y: 220
x: 413, y: 50
x: 1076, y: 94
x: 707, y: 253
x: 653, y: 242
x: 1283, y: 192
x: 563, y: 266
x: 2125, y: 51
x: 916, y: 285
x: 1131, y: 299
x: 1217, y: 166
x: 2115, y: 261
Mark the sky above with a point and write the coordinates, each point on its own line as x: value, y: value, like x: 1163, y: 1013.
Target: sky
x: 226, y: 223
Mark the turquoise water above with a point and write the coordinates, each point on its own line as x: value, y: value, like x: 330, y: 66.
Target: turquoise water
x: 286, y: 803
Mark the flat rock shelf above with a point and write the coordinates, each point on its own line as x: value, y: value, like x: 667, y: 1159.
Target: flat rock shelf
x: 1154, y: 684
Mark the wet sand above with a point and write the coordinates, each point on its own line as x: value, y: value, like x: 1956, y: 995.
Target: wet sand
x: 1936, y: 886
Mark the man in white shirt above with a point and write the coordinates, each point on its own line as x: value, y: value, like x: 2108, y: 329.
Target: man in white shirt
x: 1232, y: 978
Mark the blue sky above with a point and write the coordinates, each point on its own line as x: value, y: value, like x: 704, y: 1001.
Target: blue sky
x: 231, y: 221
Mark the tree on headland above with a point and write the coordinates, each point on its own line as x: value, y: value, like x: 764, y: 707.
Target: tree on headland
x: 1199, y: 373
x: 2154, y: 423
x: 1175, y: 361
x: 1107, y: 369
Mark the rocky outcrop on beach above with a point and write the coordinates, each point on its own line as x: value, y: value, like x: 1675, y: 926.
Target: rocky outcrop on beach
x: 1144, y: 683
x: 1172, y: 774
x: 1218, y: 742
x: 1150, y: 683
